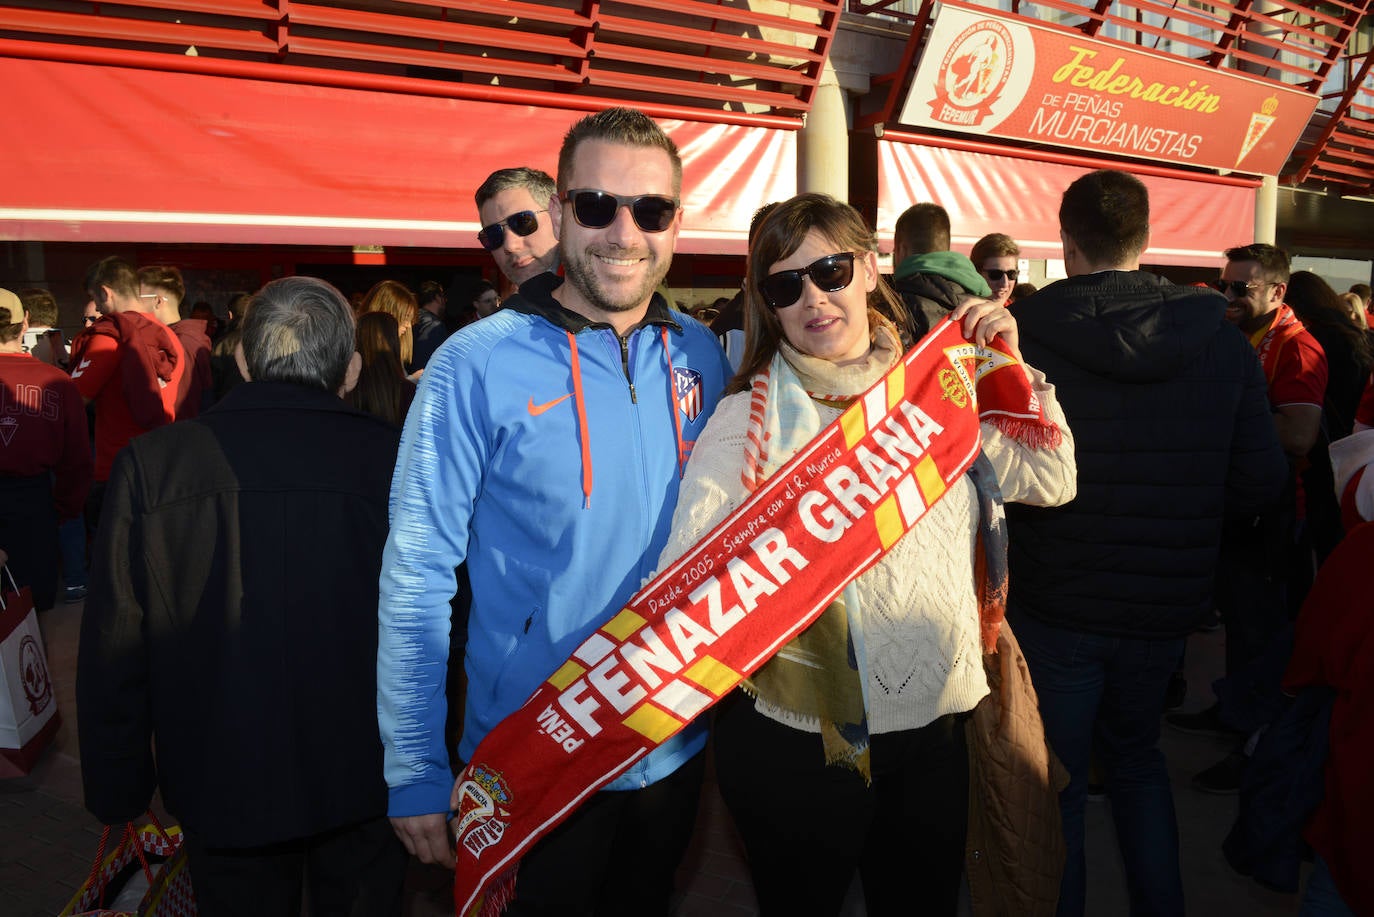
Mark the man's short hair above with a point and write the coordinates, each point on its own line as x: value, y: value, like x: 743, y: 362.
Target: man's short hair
x: 299, y: 330
x: 538, y: 183
x: 164, y: 277
x: 618, y: 125
x: 1274, y: 263
x: 993, y: 245
x: 11, y: 317
x: 41, y: 306
x: 1107, y: 214
x: 1362, y: 290
x: 113, y: 272
x: 921, y: 229
x: 430, y: 290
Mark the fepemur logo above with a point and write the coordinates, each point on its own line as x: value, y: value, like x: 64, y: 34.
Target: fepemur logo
x: 33, y: 671
x: 973, y: 73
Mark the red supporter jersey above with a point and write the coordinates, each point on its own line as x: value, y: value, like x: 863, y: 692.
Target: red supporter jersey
x: 43, y: 429
x: 99, y: 373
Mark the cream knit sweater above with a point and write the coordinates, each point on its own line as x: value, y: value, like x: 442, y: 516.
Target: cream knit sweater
x: 919, y: 607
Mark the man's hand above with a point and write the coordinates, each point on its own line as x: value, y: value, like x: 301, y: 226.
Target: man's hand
x: 426, y: 837
x: 983, y: 320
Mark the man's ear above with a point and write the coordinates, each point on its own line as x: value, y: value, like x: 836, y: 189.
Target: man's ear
x: 242, y: 362
x: 556, y: 216
x: 355, y: 366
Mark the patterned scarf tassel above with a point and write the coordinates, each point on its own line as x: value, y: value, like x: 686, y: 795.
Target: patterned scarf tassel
x: 841, y: 753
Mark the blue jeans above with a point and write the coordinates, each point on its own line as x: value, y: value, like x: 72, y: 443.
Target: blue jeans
x: 1106, y: 694
x: 1321, y: 898
x: 71, y: 537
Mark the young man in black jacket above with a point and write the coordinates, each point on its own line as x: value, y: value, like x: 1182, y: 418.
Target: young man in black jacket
x: 1172, y: 428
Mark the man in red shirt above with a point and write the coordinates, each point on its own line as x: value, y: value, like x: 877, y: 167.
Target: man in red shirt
x: 129, y: 364
x: 161, y: 287
x: 1257, y: 553
x: 45, y: 457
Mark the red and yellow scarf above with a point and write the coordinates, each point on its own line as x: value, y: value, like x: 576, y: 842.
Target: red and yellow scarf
x: 722, y: 610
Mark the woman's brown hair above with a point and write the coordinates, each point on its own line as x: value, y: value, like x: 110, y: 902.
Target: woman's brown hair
x: 778, y: 236
x: 382, y: 388
x: 396, y: 300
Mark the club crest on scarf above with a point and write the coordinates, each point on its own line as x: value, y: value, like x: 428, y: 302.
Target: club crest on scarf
x: 687, y: 387
x: 483, y: 801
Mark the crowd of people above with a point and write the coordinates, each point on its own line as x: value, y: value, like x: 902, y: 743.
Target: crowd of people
x: 334, y: 546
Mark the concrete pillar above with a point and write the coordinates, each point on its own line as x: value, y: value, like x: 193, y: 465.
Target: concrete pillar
x: 1267, y: 209
x: 823, y: 152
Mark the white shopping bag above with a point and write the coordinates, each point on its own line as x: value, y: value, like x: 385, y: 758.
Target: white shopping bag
x: 28, y: 707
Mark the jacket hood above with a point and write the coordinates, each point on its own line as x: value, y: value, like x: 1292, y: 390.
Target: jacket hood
x: 536, y: 298
x: 1130, y: 326
x: 950, y: 265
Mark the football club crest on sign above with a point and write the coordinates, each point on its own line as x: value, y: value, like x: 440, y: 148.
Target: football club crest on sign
x: 687, y: 387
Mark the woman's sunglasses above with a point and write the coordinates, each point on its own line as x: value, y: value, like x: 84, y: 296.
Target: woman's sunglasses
x: 522, y: 224
x: 831, y: 274
x: 597, y: 209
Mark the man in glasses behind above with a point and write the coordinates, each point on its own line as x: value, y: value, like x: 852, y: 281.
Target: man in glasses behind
x: 1258, y: 551
x: 517, y: 228
x: 931, y: 279
x: 544, y: 449
x: 995, y: 255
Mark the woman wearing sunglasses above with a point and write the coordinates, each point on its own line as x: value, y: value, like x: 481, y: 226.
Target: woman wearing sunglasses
x: 882, y: 682
x: 995, y: 256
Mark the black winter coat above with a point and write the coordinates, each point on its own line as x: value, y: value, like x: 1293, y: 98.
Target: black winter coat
x: 1172, y: 431
x: 232, y: 620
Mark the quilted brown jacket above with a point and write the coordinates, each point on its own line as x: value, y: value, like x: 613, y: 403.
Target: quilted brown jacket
x: 1015, y: 850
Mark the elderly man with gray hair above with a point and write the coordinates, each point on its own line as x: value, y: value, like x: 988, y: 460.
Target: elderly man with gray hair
x: 232, y: 626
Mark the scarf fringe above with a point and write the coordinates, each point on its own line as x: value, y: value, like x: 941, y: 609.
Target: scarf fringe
x: 500, y: 893
x: 1034, y: 433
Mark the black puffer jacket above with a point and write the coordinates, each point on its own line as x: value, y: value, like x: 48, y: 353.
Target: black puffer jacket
x: 1172, y: 431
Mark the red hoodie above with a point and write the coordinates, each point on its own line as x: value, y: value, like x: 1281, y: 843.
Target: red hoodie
x: 130, y: 365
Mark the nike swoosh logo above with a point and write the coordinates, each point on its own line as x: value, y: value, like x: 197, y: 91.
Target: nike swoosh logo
x: 537, y: 409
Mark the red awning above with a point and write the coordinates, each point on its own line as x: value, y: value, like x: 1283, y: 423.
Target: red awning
x: 1192, y: 219
x: 155, y: 156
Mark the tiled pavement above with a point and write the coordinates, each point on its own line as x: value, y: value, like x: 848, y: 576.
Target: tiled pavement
x: 47, y: 839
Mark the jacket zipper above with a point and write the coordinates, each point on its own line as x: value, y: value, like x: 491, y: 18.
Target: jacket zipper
x: 625, y: 365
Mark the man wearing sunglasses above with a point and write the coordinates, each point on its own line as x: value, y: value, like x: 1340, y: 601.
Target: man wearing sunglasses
x: 544, y: 449
x: 931, y: 279
x: 1257, y: 552
x: 517, y: 228
x: 1172, y: 435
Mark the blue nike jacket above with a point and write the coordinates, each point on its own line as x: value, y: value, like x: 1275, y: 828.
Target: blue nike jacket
x: 545, y: 451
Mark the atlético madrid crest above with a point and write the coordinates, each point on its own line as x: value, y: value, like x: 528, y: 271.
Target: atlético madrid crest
x: 687, y: 387
x: 974, y: 71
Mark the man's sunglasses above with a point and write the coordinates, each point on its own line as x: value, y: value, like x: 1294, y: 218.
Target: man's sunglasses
x: 993, y: 273
x: 522, y: 224
x: 597, y: 209
x: 831, y: 274
x: 1237, y: 287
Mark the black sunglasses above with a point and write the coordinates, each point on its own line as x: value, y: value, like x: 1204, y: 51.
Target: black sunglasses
x: 597, y: 209
x: 993, y: 273
x: 522, y: 224
x: 1237, y: 287
x: 831, y: 274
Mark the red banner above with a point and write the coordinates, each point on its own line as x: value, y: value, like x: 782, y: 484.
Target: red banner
x: 717, y: 614
x: 1000, y: 76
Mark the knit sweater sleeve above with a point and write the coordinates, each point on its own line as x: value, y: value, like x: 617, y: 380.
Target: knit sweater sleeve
x: 712, y: 487
x: 1037, y: 475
